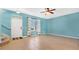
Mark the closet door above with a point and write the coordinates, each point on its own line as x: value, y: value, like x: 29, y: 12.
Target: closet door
x: 16, y: 26
x: 33, y: 27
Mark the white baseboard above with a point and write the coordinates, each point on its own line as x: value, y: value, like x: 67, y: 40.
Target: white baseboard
x: 44, y: 34
x: 25, y: 36
x: 63, y: 36
x: 56, y: 35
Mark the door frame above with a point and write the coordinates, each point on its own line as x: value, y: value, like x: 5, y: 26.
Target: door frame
x: 35, y: 26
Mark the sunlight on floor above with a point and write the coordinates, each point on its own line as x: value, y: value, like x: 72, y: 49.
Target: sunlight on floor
x: 34, y: 43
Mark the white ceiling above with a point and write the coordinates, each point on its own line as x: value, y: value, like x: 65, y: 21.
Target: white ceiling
x: 36, y: 11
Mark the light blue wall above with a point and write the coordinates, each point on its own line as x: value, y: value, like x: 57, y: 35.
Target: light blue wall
x: 44, y: 26
x: 0, y: 28
x: 1, y: 11
x: 6, y: 22
x: 67, y: 25
x: 0, y: 25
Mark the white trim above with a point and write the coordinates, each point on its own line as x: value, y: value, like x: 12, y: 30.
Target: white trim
x: 43, y: 34
x: 25, y: 36
x: 63, y: 36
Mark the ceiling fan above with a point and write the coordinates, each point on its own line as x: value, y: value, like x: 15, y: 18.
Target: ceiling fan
x: 48, y: 10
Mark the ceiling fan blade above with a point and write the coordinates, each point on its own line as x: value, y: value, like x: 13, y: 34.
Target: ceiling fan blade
x: 51, y: 12
x: 52, y: 9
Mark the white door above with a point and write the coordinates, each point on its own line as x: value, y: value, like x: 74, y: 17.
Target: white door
x: 16, y: 26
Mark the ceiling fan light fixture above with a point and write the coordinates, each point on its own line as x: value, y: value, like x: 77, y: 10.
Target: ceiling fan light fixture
x: 48, y: 11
